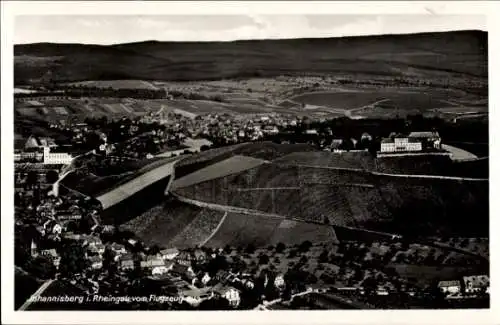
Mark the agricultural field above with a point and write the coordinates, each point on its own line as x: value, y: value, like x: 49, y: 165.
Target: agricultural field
x: 458, y: 154
x: 233, y: 165
x: 199, y: 230
x: 351, y: 198
x: 381, y: 99
x: 160, y: 224
x: 94, y: 185
x: 117, y: 84
x: 261, y: 231
x: 355, y: 160
x: 480, y: 246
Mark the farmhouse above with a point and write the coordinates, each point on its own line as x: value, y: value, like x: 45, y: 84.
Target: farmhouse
x: 449, y: 287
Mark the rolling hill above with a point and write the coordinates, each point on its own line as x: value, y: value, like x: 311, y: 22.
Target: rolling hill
x: 317, y: 186
x: 435, y: 55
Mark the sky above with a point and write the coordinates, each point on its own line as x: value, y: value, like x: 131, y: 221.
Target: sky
x: 106, y: 29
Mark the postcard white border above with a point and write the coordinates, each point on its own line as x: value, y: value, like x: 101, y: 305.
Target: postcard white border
x: 12, y: 8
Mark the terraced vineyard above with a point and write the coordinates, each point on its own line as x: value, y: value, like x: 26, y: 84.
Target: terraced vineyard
x: 162, y: 223
x: 354, y: 198
x: 356, y: 160
x: 244, y: 229
x: 199, y: 230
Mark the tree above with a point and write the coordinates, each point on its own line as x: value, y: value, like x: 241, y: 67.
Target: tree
x: 73, y: 260
x: 51, y: 177
x: 227, y: 249
x: 263, y: 259
x: 32, y: 178
x: 305, y: 246
x: 153, y: 250
x: 370, y: 285
x: 250, y: 249
x: 108, y: 261
x: 323, y: 257
x: 43, y: 267
x: 292, y: 253
x: 280, y: 247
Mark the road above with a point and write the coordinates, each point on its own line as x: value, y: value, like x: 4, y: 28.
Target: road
x: 37, y: 293
x: 266, y: 304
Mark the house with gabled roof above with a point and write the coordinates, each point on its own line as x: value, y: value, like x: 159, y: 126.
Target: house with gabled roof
x: 169, y: 253
x: 231, y: 294
x: 127, y: 262
x: 183, y: 271
x: 449, y: 287
x: 476, y: 283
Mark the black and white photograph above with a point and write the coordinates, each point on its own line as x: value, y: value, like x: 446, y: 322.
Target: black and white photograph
x: 249, y: 162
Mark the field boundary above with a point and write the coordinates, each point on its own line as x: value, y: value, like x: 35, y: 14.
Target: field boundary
x: 423, y: 176
x: 228, y: 208
x: 221, y: 222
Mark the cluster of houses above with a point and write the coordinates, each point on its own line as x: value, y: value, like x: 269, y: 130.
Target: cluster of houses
x: 413, y: 142
x: 467, y: 287
x: 196, y: 287
x: 43, y: 150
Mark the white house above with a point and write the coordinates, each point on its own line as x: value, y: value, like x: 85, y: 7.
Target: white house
x: 477, y: 283
x: 206, y: 278
x: 279, y: 281
x: 126, y: 263
x: 160, y: 268
x: 169, y: 253
x: 312, y: 131
x: 56, y: 158
x: 248, y: 283
x: 57, y: 229
x: 400, y: 144
x: 96, y: 262
x: 98, y: 248
x: 231, y: 294
x: 156, y: 265
x: 449, y: 287
x: 119, y: 249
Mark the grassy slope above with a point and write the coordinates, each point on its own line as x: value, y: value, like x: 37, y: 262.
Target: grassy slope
x: 445, y: 54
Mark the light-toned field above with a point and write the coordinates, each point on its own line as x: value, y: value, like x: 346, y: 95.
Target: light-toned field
x: 459, y: 154
x: 235, y: 164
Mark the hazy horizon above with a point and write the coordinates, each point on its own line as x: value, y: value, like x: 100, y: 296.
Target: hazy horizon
x: 110, y: 30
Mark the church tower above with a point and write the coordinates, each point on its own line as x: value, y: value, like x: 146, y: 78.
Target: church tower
x: 34, y: 249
